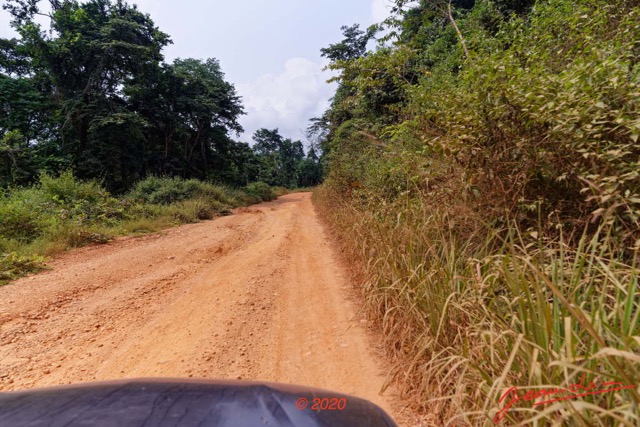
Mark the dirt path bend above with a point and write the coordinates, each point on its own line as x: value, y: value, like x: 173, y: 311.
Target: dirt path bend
x: 258, y: 295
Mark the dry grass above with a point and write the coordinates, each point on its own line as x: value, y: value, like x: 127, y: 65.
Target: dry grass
x: 465, y: 319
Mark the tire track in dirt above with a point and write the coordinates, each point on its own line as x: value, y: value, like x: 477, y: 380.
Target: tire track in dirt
x: 258, y: 295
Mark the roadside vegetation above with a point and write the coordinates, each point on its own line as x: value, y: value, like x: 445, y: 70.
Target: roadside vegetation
x: 63, y: 212
x: 483, y: 170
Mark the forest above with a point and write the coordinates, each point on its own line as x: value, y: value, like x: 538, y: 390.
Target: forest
x: 483, y: 169
x: 94, y: 95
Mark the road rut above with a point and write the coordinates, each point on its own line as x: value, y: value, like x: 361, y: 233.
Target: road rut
x: 258, y: 295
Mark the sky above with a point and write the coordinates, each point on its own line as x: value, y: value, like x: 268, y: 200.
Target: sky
x: 269, y: 49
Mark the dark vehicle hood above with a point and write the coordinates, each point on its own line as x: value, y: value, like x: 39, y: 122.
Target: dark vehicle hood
x: 160, y: 403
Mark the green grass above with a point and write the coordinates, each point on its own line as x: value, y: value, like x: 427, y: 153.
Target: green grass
x: 13, y: 266
x: 60, y: 213
x: 261, y: 190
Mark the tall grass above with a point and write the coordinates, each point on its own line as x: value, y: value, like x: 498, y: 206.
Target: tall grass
x: 466, y: 201
x: 468, y: 316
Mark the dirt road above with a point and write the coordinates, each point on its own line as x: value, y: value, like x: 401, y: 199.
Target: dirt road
x: 258, y: 295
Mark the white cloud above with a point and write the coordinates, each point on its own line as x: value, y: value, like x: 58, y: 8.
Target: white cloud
x: 380, y: 10
x: 286, y: 100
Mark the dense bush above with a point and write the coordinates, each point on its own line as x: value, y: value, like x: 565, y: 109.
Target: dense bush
x: 29, y: 213
x: 493, y: 200
x: 543, y: 124
x: 166, y: 191
x: 67, y: 189
x: 13, y: 266
x: 261, y: 191
x: 530, y: 126
x: 18, y: 220
x: 63, y: 212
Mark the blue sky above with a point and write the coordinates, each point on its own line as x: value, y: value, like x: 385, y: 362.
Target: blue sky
x: 269, y: 49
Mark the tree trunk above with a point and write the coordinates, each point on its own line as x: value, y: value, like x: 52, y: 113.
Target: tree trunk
x: 455, y: 25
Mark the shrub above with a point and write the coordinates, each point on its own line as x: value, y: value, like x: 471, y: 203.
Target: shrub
x: 261, y: 190
x: 159, y: 190
x: 194, y: 210
x: 18, y: 220
x: 63, y: 212
x: 67, y: 189
x: 166, y: 191
x: 13, y: 266
x: 280, y: 191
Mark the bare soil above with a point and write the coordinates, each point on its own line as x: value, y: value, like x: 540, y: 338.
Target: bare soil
x: 258, y: 295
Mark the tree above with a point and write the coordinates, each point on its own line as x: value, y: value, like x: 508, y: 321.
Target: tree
x: 309, y: 173
x: 443, y: 8
x: 202, y: 108
x: 94, y: 50
x: 266, y: 147
x: 279, y: 158
x: 353, y: 46
x: 94, y: 93
x: 16, y: 163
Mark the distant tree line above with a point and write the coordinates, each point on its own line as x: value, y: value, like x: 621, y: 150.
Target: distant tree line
x: 93, y: 94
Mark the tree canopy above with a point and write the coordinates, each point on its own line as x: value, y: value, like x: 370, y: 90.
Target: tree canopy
x: 93, y: 94
x: 282, y: 162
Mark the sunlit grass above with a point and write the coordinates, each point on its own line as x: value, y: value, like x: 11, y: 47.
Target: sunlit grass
x: 465, y: 319
x: 61, y: 213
